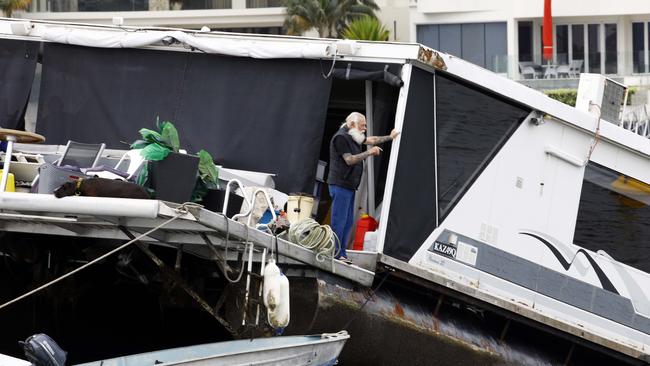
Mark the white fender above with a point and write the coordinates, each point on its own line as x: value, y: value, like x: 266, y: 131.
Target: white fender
x: 271, y: 292
x: 276, y: 295
x: 282, y: 314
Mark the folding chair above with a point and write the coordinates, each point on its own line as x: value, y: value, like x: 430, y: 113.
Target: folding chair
x: 81, y: 155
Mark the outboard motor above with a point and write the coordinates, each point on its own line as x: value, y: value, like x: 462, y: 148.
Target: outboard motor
x: 41, y: 350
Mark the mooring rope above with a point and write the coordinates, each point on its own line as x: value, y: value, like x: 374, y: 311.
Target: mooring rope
x: 311, y: 235
x: 181, y: 210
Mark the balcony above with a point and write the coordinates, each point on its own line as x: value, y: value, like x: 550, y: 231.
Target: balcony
x: 263, y: 16
x: 143, y: 5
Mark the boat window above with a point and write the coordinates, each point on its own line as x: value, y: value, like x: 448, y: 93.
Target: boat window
x: 614, y: 216
x: 471, y: 126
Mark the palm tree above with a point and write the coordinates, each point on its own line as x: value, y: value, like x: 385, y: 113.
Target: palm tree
x: 366, y: 28
x: 329, y: 17
x: 9, y: 6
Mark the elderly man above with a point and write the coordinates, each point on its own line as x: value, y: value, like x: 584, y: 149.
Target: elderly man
x: 346, y: 167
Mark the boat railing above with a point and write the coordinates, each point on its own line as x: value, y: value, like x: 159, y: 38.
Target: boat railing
x: 637, y: 119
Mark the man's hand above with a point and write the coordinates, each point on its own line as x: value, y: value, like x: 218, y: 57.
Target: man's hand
x: 376, y: 140
x: 375, y: 150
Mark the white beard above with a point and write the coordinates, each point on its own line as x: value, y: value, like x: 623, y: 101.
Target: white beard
x: 358, y: 136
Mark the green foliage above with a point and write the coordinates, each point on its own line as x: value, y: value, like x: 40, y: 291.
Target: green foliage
x: 366, y: 28
x: 569, y: 96
x: 329, y: 17
x: 9, y: 6
x: 207, y: 170
x: 566, y: 96
x: 208, y: 174
x: 166, y: 137
x: 156, y: 145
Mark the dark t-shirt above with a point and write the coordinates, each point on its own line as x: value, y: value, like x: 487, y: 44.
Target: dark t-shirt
x: 341, y: 145
x: 340, y: 173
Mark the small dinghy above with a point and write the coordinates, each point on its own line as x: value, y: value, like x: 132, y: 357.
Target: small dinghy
x: 314, y: 350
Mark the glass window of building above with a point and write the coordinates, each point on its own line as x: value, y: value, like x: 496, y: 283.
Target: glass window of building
x: 562, y: 44
x: 525, y: 41
x: 638, y: 48
x: 594, y: 48
x: 578, y: 43
x: 484, y: 44
x: 611, y: 49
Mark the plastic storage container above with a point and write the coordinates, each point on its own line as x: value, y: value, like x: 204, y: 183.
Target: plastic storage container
x: 174, y: 177
x: 299, y: 206
x: 370, y: 241
x: 365, y: 224
x: 11, y: 182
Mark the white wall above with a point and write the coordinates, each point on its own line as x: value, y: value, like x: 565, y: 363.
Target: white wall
x: 394, y: 15
x: 532, y: 8
x: 214, y: 18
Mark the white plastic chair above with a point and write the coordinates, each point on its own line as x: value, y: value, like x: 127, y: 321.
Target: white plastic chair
x: 575, y: 68
x: 135, y: 159
x: 526, y: 69
x: 563, y: 70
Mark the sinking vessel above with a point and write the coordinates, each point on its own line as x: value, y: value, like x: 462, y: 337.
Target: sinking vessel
x: 503, y: 214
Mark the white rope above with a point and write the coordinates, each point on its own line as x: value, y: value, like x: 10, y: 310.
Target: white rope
x: 181, y: 211
x: 311, y: 235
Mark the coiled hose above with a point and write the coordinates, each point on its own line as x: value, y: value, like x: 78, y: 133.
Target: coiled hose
x: 311, y: 235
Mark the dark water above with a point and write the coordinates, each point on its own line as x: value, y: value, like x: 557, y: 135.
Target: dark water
x: 101, y: 312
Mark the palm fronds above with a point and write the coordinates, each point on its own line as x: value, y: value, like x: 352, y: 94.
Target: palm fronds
x: 9, y: 6
x: 366, y: 28
x: 328, y: 17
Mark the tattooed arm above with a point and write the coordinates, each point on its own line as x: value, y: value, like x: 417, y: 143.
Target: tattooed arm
x: 376, y: 140
x: 356, y: 159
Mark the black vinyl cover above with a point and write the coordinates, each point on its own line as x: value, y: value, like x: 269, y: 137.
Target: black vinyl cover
x: 261, y: 115
x: 412, y: 215
x: 17, y: 66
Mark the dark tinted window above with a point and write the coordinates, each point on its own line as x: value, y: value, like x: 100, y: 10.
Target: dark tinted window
x: 637, y: 48
x: 611, y: 49
x: 578, y: 43
x: 562, y: 40
x: 525, y: 41
x: 614, y: 216
x: 483, y: 44
x: 594, y: 48
x: 471, y: 126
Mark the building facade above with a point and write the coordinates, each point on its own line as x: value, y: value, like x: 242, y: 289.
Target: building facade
x: 594, y: 36
x: 246, y: 16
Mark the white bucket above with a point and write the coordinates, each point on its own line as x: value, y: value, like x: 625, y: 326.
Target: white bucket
x: 299, y: 208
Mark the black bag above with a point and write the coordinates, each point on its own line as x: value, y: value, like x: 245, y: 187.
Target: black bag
x: 41, y: 350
